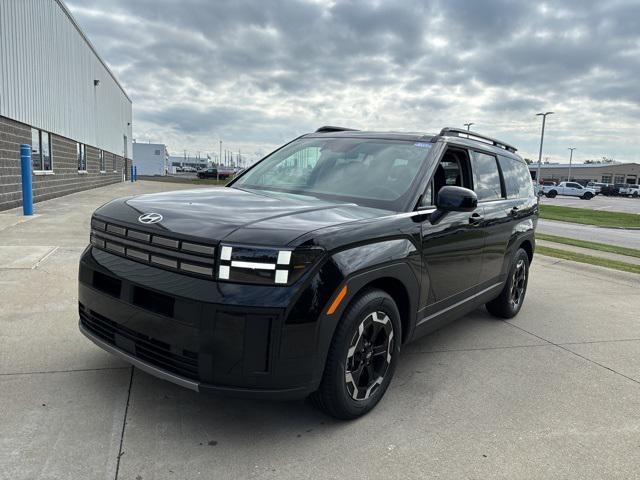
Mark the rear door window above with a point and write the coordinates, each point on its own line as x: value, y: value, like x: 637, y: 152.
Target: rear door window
x: 517, y: 179
x: 486, y: 176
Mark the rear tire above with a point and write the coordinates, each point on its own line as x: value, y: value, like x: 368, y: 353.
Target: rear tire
x: 509, y: 302
x: 362, y: 357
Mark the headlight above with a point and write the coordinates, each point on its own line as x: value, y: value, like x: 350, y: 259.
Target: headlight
x: 264, y: 265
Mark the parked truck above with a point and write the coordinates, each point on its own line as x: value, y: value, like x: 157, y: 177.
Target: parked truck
x: 571, y: 189
x: 630, y: 191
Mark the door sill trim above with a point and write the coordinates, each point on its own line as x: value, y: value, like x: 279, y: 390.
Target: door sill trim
x: 459, y: 303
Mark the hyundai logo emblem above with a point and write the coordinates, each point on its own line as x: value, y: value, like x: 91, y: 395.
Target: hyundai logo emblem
x: 150, y: 218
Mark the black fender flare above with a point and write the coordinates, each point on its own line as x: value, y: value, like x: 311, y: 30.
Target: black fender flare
x: 355, y: 283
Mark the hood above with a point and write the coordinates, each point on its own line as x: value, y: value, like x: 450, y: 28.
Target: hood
x: 235, y: 215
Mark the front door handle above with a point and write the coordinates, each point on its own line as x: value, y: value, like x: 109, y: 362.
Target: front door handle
x: 475, y: 219
x: 514, y: 211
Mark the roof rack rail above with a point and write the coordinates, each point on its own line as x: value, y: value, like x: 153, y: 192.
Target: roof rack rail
x: 457, y: 132
x: 329, y: 128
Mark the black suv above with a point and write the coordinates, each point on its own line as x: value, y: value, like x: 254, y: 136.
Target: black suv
x: 308, y: 272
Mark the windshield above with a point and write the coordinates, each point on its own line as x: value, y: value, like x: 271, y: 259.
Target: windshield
x: 370, y: 172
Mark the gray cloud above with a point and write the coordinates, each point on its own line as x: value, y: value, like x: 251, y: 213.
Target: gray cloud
x: 257, y: 73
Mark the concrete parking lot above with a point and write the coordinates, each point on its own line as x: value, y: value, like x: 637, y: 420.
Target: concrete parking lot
x: 554, y: 393
x: 599, y: 202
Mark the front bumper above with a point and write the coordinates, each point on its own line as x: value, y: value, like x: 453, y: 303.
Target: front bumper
x: 281, y: 394
x: 197, y: 333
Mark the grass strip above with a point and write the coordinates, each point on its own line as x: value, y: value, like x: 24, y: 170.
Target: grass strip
x: 590, y: 217
x: 195, y: 181
x: 603, y: 247
x: 582, y: 258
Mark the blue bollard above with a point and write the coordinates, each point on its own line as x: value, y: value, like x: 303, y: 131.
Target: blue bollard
x: 131, y: 176
x: 135, y: 173
x: 27, y: 185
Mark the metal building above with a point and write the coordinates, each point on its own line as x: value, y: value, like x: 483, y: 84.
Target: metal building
x: 586, y: 172
x: 59, y: 96
x: 150, y: 158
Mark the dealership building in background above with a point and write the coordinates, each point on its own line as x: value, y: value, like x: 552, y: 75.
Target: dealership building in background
x: 585, y: 172
x: 150, y: 158
x: 57, y: 95
x: 198, y: 163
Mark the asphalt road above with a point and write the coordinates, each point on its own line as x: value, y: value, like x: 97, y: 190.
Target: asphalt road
x: 612, y: 236
x: 554, y: 393
x: 599, y: 202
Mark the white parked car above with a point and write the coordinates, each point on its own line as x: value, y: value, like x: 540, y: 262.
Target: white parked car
x: 571, y: 189
x: 630, y: 191
x: 597, y: 186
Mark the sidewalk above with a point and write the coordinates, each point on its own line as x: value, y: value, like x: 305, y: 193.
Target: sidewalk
x: 611, y: 236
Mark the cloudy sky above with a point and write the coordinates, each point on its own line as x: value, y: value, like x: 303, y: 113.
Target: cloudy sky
x: 258, y: 73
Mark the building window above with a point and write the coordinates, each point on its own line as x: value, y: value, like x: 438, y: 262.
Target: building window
x: 40, y: 150
x: 103, y: 165
x: 82, y: 157
x: 157, y: 152
x: 619, y: 179
x: 606, y: 178
x: 114, y: 162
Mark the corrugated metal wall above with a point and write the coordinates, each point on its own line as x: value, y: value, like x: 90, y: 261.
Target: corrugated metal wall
x: 47, y: 73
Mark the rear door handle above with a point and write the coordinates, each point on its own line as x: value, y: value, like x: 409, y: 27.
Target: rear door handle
x: 475, y: 219
x: 514, y: 211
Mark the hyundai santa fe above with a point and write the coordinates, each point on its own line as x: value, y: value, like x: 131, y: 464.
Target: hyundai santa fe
x: 307, y: 274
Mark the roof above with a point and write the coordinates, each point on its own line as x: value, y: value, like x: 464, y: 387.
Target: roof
x: 90, y: 45
x: 416, y: 137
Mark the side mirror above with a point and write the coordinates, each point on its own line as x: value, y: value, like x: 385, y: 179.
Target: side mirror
x: 456, y: 199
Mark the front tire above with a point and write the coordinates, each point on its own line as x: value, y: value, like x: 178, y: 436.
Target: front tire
x: 587, y: 196
x: 362, y: 357
x: 552, y: 194
x: 509, y: 302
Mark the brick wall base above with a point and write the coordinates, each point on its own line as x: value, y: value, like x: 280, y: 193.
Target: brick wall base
x: 65, y: 178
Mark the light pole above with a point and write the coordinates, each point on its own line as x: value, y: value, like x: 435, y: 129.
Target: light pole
x: 570, y: 159
x: 219, y: 160
x: 544, y: 118
x: 468, y: 125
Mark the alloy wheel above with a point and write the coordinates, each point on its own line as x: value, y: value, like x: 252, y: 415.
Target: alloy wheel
x: 369, y: 355
x: 518, y: 283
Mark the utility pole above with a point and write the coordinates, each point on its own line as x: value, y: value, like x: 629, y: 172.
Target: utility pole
x: 219, y: 160
x: 570, y: 159
x: 544, y: 118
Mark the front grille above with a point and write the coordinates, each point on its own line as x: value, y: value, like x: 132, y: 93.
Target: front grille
x: 155, y: 352
x: 192, y: 258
